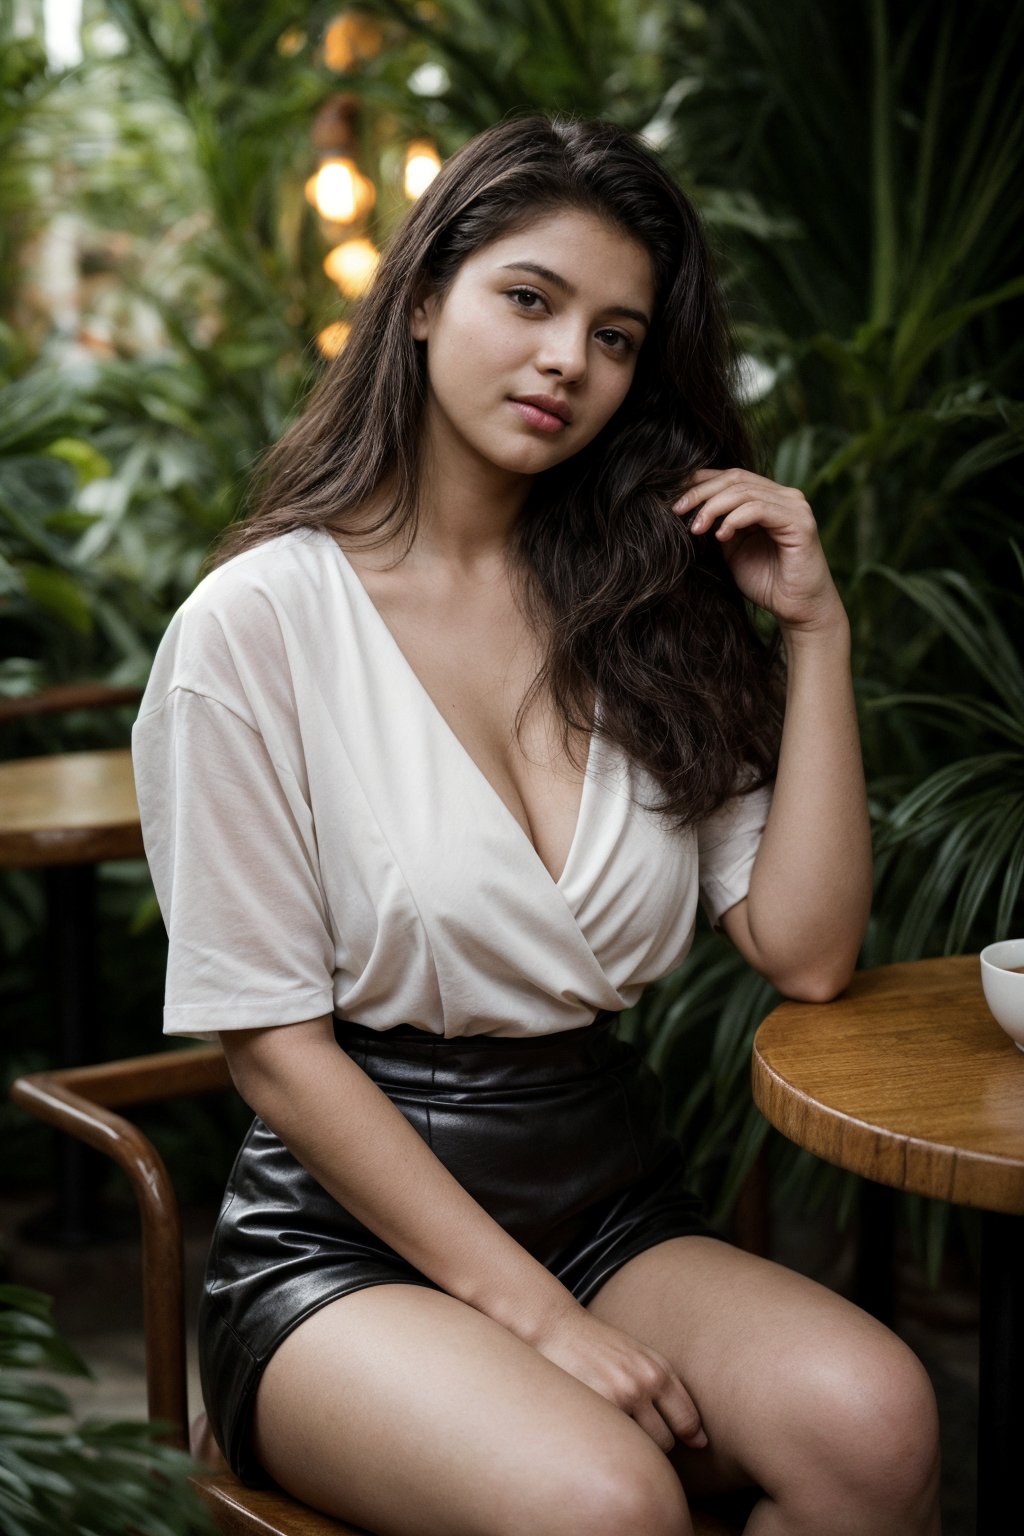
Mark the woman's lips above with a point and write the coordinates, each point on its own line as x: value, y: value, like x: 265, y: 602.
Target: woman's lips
x: 544, y: 421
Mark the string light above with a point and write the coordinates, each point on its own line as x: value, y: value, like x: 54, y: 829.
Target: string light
x: 352, y: 265
x: 422, y: 163
x: 339, y: 193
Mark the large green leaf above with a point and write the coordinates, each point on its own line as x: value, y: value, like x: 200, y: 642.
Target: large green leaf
x: 57, y: 593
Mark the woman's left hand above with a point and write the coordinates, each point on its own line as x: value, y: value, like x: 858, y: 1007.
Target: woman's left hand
x: 770, y: 542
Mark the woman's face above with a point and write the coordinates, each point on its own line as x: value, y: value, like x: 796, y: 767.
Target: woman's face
x: 558, y: 312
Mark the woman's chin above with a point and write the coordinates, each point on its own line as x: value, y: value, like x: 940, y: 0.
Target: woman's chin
x: 532, y: 458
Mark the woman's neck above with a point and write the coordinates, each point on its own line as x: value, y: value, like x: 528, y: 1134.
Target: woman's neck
x: 467, y: 512
x: 468, y: 507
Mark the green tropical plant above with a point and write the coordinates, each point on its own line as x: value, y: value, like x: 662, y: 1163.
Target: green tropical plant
x: 605, y: 58
x: 963, y: 821
x: 23, y: 82
x: 59, y: 1477
x: 44, y: 458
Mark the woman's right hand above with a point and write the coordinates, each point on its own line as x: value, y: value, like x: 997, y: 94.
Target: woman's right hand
x: 636, y: 1379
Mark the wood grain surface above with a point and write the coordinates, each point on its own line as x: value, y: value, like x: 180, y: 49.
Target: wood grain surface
x: 906, y: 1079
x: 71, y: 808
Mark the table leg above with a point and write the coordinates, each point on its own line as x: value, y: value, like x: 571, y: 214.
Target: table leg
x: 71, y: 908
x: 1000, y: 1399
x: 874, y: 1273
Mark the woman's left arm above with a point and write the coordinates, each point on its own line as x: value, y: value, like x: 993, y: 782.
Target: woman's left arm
x: 802, y: 922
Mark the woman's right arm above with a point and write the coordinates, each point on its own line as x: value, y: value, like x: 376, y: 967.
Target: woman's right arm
x: 375, y: 1164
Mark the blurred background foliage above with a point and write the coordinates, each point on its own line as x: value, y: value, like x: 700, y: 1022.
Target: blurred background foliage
x: 164, y: 307
x: 63, y: 1477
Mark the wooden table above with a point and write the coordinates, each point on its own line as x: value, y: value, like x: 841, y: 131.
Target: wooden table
x: 65, y: 814
x: 908, y: 1080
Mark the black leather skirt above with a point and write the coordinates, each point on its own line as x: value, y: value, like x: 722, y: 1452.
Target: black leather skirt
x: 560, y: 1137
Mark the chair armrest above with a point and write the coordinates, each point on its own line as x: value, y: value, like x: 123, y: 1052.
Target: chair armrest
x: 144, y: 1079
x: 78, y: 1100
x: 65, y: 696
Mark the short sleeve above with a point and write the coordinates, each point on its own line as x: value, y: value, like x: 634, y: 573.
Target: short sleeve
x: 727, y: 844
x: 232, y: 851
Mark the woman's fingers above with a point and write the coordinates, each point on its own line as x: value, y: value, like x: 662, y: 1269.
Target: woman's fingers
x: 733, y: 512
x: 654, y: 1425
x: 728, y: 502
x: 636, y: 1379
x: 754, y: 514
x: 680, y: 1413
x: 708, y: 482
x: 747, y: 500
x: 717, y: 491
x: 667, y: 1402
x: 777, y: 562
x: 706, y: 508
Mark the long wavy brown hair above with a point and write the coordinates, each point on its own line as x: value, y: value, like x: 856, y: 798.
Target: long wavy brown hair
x: 632, y: 609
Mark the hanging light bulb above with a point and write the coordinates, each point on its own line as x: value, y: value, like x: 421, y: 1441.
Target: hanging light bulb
x: 422, y: 163
x: 333, y: 337
x: 339, y: 193
x: 352, y: 265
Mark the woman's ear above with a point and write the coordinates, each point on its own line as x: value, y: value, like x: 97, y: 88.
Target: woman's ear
x: 419, y: 320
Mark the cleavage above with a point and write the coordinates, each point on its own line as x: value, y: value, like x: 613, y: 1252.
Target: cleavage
x: 474, y: 656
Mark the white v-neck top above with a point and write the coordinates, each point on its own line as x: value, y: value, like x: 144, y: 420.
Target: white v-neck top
x: 320, y: 840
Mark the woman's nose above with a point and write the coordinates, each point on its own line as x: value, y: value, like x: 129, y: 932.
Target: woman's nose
x: 563, y: 352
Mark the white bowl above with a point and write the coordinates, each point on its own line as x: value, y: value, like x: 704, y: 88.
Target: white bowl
x: 1003, y: 988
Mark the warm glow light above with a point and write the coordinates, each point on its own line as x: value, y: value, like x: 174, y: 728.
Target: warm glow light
x: 333, y: 337
x: 352, y: 265
x: 291, y: 42
x: 339, y: 192
x: 349, y: 39
x: 422, y: 163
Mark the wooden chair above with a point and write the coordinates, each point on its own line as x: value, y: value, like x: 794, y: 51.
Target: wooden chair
x: 83, y: 1102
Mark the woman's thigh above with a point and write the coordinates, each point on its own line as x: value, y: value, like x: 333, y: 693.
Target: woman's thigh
x: 796, y: 1386
x: 406, y: 1411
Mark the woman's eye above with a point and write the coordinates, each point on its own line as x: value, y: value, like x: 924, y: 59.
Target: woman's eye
x: 526, y: 298
x: 619, y: 341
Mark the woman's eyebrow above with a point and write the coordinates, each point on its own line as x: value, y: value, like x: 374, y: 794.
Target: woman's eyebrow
x: 567, y: 288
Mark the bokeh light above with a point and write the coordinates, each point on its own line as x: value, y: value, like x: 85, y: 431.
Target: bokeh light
x: 291, y: 42
x: 333, y: 337
x: 339, y: 193
x: 349, y: 40
x: 351, y: 265
x: 422, y: 163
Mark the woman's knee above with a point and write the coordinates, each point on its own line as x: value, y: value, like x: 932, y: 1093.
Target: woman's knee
x: 870, y: 1414
x: 626, y: 1497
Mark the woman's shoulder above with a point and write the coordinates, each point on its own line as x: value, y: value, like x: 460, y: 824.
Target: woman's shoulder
x: 277, y: 581
x: 272, y: 573
x: 236, y: 623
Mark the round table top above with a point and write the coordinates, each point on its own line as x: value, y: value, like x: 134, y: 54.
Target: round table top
x: 906, y: 1078
x: 69, y: 808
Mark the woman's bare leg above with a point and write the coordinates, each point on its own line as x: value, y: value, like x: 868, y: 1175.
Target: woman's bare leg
x: 406, y: 1411
x: 800, y: 1392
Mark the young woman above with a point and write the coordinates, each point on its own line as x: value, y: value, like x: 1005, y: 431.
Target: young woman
x: 433, y: 767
